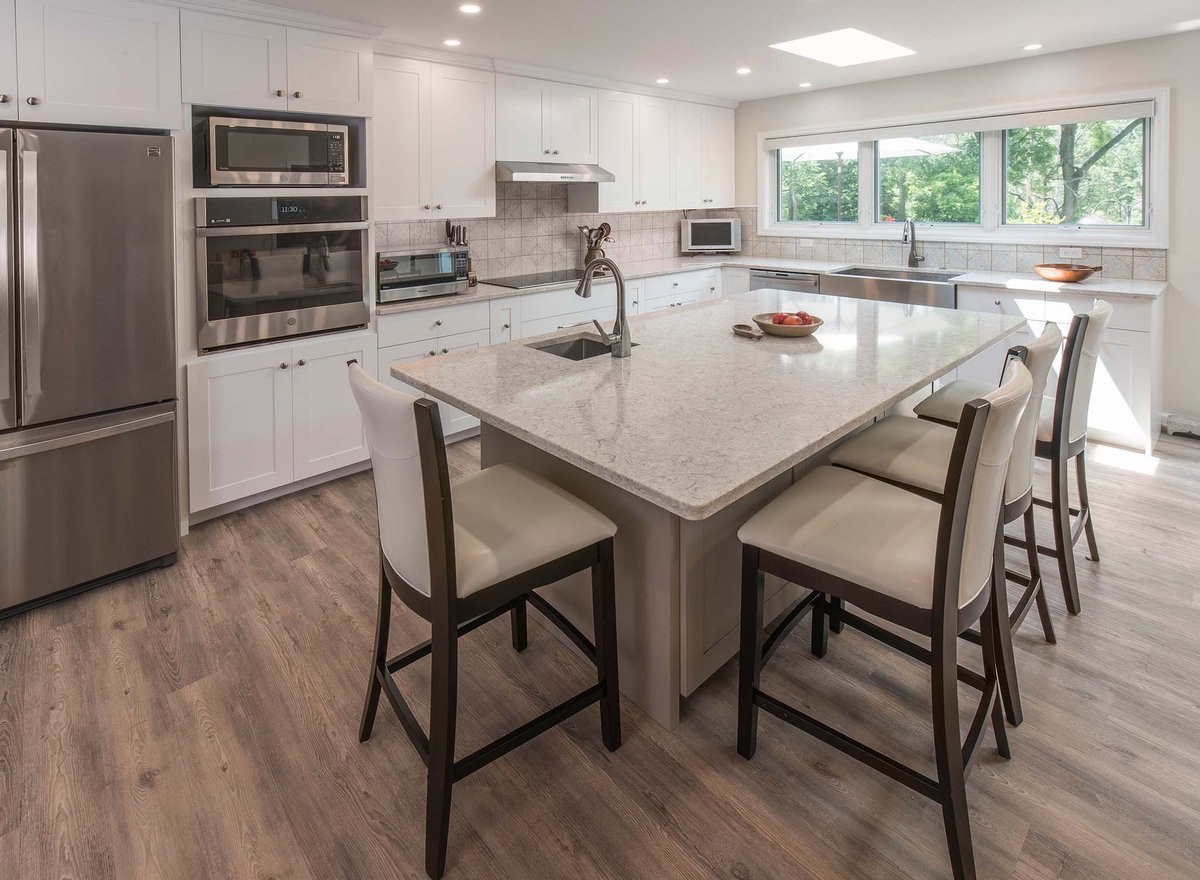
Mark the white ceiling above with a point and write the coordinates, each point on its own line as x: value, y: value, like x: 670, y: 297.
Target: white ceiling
x: 699, y: 43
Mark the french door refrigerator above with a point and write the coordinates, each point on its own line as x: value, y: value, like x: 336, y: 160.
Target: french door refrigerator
x: 87, y: 361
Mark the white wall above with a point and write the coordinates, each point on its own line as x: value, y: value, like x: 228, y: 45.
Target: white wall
x: 1172, y: 61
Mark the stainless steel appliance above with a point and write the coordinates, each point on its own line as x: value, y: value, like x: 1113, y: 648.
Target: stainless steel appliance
x: 806, y: 282
x: 709, y: 236
x: 274, y: 152
x: 534, y: 280
x: 418, y: 273
x: 269, y: 268
x: 552, y: 172
x: 894, y: 285
x: 87, y: 361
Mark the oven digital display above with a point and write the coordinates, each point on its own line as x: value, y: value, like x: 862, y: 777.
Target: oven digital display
x: 290, y: 211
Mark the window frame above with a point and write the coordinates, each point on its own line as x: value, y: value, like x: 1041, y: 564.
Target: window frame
x: 991, y: 228
x: 833, y: 224
x: 878, y: 200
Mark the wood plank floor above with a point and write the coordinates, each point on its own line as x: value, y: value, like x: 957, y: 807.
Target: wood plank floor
x: 200, y: 722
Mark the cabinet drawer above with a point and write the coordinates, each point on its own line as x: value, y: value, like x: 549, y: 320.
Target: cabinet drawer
x: 1128, y: 314
x: 683, y: 282
x: 433, y: 323
x: 554, y: 303
x: 576, y: 321
x: 1030, y: 305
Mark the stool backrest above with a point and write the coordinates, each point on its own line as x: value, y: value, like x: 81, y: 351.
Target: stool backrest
x: 1039, y: 358
x: 412, y: 483
x: 974, y: 492
x: 1078, y: 371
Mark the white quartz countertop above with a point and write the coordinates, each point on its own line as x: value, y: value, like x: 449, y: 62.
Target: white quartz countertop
x: 648, y: 269
x: 698, y: 417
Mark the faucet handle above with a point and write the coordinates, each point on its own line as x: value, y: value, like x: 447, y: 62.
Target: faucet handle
x: 604, y: 337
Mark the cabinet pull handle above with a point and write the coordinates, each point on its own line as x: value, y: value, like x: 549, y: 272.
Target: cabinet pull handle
x: 295, y: 94
x: 283, y: 366
x: 301, y: 362
x: 33, y: 102
x: 279, y: 93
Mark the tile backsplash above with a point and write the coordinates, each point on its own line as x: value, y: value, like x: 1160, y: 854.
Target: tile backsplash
x: 532, y: 232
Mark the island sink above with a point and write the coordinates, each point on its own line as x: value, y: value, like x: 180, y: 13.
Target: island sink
x: 579, y: 348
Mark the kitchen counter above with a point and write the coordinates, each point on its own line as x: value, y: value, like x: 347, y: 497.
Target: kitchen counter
x: 647, y: 269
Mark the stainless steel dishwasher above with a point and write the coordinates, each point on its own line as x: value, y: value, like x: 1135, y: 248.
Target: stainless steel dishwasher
x: 805, y: 282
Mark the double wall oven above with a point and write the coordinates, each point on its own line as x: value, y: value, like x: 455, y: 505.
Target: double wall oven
x: 273, y: 267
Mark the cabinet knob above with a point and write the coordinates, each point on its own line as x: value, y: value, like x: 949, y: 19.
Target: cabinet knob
x: 33, y: 102
x: 279, y: 93
x: 996, y: 302
x: 439, y: 207
x: 438, y: 323
x: 425, y: 207
x: 556, y: 152
x: 445, y: 351
x: 635, y: 302
x: 300, y: 362
x: 433, y: 354
x: 283, y: 366
x: 506, y: 326
x: 4, y: 99
x: 295, y: 94
x: 547, y: 152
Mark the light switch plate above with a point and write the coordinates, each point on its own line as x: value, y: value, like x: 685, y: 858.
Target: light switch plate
x: 1070, y: 253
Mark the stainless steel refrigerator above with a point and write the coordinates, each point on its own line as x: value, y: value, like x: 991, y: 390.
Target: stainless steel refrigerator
x: 87, y: 361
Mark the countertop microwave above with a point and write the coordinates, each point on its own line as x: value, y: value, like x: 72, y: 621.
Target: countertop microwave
x: 716, y: 235
x: 274, y: 152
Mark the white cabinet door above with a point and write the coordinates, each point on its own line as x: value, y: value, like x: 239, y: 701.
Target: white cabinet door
x: 396, y: 354
x: 329, y: 73
x: 463, y: 131
x: 522, y: 119
x: 718, y: 157
x: 327, y: 430
x: 734, y: 280
x: 689, y: 156
x: 454, y: 420
x: 655, y: 154
x: 8, y: 59
x: 233, y: 62
x: 239, y: 426
x: 618, y: 130
x: 401, y: 139
x: 574, y: 123
x: 988, y: 365
x: 99, y: 62
x: 506, y: 319
x: 1121, y: 411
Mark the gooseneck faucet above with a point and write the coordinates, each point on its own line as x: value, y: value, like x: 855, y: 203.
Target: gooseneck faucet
x: 618, y: 341
x: 909, y: 237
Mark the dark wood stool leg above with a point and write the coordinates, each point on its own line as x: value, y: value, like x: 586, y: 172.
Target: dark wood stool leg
x: 1060, y: 500
x: 520, y: 625
x: 750, y: 652
x: 604, y: 617
x: 1035, y: 576
x: 987, y: 641
x: 1002, y: 632
x: 948, y: 748
x: 442, y: 717
x: 1085, y: 507
x: 834, y: 609
x: 379, y: 659
x: 820, y: 632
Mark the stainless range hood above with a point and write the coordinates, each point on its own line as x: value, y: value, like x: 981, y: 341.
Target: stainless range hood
x: 552, y: 172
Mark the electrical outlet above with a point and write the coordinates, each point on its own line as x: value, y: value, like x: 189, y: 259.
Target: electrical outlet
x: 804, y: 242
x: 1070, y: 253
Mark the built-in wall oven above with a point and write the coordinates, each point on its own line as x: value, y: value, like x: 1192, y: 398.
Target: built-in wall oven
x: 270, y: 268
x: 274, y: 152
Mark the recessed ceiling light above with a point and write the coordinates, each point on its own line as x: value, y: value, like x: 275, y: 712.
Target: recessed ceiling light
x: 662, y: 80
x: 469, y: 8
x: 1032, y: 47
x: 451, y: 42
x: 806, y: 85
x: 844, y: 47
x: 742, y: 71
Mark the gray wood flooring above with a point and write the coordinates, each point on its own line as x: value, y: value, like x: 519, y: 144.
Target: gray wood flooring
x: 200, y: 722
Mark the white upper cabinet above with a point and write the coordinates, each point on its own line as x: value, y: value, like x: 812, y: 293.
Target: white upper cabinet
x: 98, y: 62
x: 637, y: 146
x: 233, y: 62
x: 8, y: 59
x: 541, y: 121
x: 717, y: 171
x: 329, y: 73
x: 434, y: 149
x: 401, y: 137
x: 689, y: 156
x: 618, y: 136
x: 656, y: 153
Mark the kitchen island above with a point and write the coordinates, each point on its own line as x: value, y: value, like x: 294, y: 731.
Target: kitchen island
x: 684, y: 440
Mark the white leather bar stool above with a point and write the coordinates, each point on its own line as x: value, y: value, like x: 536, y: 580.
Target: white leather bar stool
x: 462, y: 562
x: 915, y: 454
x: 1061, y: 436
x: 919, y: 564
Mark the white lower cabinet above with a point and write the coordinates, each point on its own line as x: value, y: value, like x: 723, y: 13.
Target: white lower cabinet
x: 454, y: 420
x: 258, y: 420
x: 734, y: 280
x: 669, y: 291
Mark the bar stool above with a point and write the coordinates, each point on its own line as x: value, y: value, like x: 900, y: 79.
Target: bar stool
x: 461, y: 563
x: 1061, y: 436
x: 915, y: 454
x: 925, y: 566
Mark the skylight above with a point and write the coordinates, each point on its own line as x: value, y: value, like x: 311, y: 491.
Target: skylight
x: 844, y: 47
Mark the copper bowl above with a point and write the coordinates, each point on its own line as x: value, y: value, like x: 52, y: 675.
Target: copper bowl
x: 1066, y: 272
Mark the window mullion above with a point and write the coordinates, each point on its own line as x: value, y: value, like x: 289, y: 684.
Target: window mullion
x: 868, y: 189
x: 991, y: 182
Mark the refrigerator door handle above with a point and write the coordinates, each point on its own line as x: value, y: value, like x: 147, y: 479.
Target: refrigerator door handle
x: 5, y: 279
x: 32, y: 309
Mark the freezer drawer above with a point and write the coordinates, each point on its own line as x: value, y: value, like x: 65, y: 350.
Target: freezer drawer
x: 83, y: 501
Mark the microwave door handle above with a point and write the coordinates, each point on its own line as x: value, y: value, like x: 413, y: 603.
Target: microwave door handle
x: 31, y: 311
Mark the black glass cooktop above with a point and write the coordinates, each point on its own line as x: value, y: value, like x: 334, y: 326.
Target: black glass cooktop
x: 537, y: 279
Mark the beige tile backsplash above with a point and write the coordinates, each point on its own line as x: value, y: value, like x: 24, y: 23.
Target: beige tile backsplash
x: 532, y: 232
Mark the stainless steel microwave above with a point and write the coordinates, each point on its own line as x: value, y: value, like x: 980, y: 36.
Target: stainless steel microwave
x: 275, y: 152
x: 418, y: 273
x: 717, y: 235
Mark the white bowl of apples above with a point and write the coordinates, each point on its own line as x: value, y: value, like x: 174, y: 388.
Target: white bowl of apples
x: 788, y: 323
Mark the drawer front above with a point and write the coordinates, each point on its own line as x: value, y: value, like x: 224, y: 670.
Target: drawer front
x: 1030, y: 305
x: 1128, y: 314
x: 433, y: 323
x: 553, y: 303
x: 577, y: 321
x: 672, y: 300
x: 682, y: 282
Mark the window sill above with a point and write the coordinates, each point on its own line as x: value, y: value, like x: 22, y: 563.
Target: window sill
x: 885, y: 231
